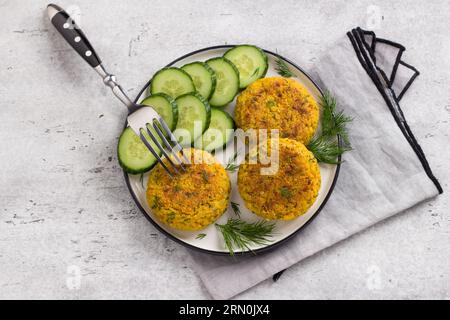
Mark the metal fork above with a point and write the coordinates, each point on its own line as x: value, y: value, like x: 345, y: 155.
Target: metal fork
x: 140, y: 117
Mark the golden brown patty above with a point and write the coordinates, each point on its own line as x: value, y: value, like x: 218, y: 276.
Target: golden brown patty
x: 289, y: 191
x: 278, y: 103
x: 195, y: 198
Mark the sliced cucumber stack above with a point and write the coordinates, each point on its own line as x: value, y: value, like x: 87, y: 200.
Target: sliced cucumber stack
x: 227, y: 85
x: 133, y: 155
x: 220, y: 131
x: 194, y: 114
x: 171, y: 81
x: 251, y: 62
x: 165, y: 106
x: 203, y: 76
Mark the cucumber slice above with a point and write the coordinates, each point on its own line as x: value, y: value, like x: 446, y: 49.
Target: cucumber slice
x: 227, y: 85
x: 194, y: 114
x: 219, y: 132
x: 251, y: 62
x: 165, y: 106
x: 203, y: 76
x: 133, y: 155
x: 171, y: 81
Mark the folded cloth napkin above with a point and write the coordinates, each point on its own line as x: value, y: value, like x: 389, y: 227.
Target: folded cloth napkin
x: 385, y: 174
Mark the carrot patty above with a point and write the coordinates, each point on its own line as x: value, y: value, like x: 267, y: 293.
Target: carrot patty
x: 278, y: 103
x: 193, y: 199
x: 286, y: 193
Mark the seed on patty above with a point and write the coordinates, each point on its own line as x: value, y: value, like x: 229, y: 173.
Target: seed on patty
x: 278, y: 103
x: 290, y: 190
x: 193, y: 199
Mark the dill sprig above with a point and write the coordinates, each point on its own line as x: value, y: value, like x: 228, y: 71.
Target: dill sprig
x: 333, y: 123
x: 255, y: 72
x: 285, y: 192
x: 231, y: 165
x: 283, y: 69
x: 326, y: 148
x: 236, y: 209
x: 200, y: 236
x: 238, y: 234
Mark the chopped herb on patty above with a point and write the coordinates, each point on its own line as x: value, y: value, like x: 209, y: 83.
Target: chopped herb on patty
x: 193, y: 199
x: 285, y: 192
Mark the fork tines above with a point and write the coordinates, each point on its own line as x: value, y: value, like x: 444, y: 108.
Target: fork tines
x: 170, y: 149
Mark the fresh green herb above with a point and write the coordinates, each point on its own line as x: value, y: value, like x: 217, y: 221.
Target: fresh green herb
x: 283, y: 69
x: 231, y: 165
x: 271, y: 104
x: 238, y: 234
x: 236, y: 209
x: 156, y: 203
x: 171, y: 216
x: 326, y: 148
x: 255, y: 72
x: 141, y: 180
x: 200, y: 236
x: 285, y: 192
x: 333, y: 122
x: 205, y: 176
x: 234, y: 157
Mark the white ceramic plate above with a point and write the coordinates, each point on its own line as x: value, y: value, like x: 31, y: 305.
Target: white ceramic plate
x: 213, y: 242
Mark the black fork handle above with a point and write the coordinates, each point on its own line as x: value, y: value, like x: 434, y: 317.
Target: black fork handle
x: 67, y: 27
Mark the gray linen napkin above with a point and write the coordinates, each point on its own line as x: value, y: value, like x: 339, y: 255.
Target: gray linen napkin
x: 385, y: 174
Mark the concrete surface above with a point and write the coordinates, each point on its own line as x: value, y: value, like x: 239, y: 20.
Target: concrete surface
x: 68, y: 227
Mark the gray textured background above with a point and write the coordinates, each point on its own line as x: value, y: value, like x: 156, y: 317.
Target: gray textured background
x: 69, y: 228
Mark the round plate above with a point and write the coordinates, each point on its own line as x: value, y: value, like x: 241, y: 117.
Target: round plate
x: 213, y: 242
